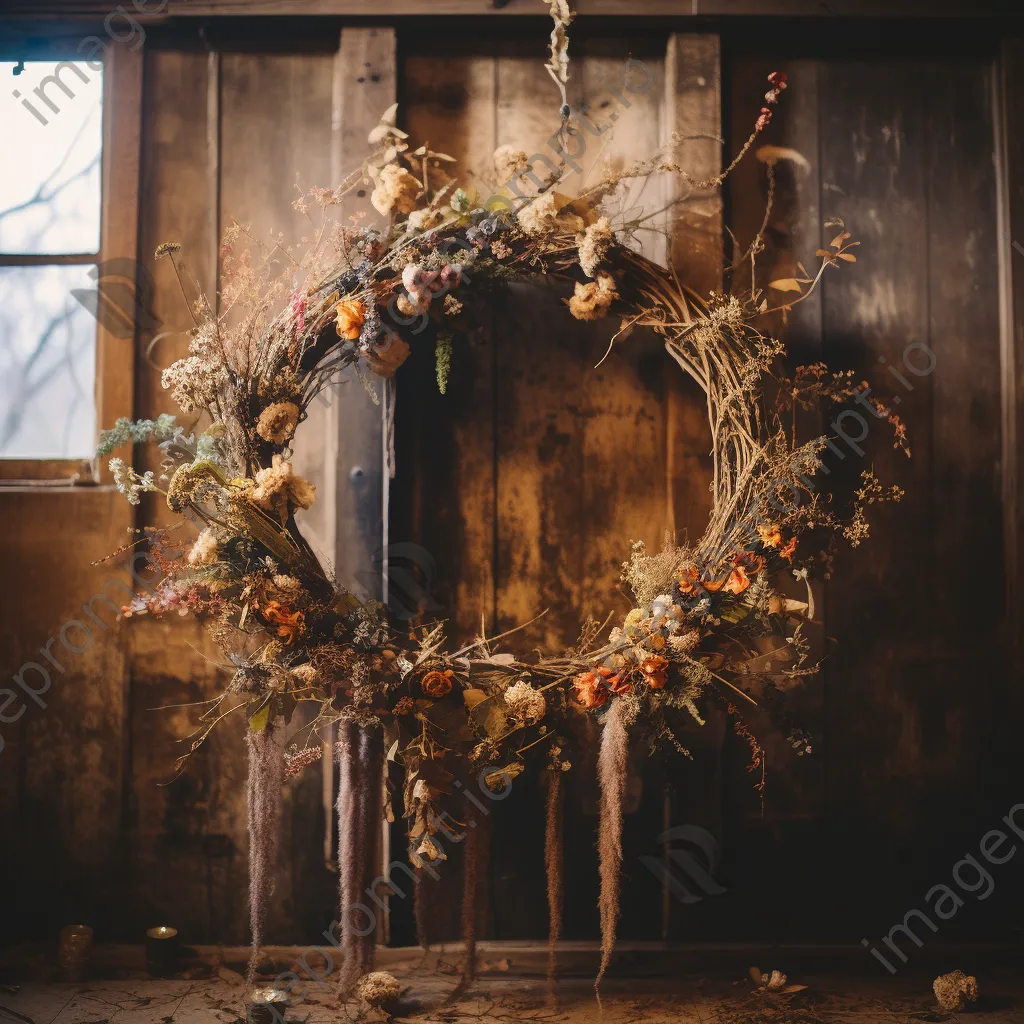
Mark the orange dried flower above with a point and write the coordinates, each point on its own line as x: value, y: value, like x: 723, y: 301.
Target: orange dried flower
x: 788, y: 551
x: 589, y: 691
x: 437, y: 683
x: 655, y: 671
x: 289, y: 624
x: 770, y: 535
x: 737, y: 582
x: 350, y: 316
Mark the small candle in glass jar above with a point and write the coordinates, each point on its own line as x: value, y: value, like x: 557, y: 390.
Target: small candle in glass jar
x: 161, y: 950
x: 74, y: 950
x: 266, y: 1005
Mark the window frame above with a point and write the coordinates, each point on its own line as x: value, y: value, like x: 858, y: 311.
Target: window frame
x: 113, y: 394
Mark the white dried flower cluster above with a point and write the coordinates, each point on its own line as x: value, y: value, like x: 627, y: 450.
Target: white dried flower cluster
x: 129, y: 483
x: 204, y: 551
x: 524, y: 702
x: 593, y: 246
x: 193, y: 382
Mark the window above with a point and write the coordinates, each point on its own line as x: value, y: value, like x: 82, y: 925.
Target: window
x: 51, y: 119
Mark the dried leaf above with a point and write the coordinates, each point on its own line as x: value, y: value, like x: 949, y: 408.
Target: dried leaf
x: 839, y: 239
x: 848, y: 256
x: 786, y: 284
x: 489, y: 717
x: 772, y: 154
x: 472, y: 697
x: 259, y: 719
x: 504, y: 658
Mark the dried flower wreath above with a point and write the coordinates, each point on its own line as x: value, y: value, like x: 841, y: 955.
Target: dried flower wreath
x: 708, y: 616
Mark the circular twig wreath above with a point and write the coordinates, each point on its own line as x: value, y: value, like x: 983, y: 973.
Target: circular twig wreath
x: 710, y: 620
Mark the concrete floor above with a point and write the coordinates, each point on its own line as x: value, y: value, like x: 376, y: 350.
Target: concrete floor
x: 708, y: 988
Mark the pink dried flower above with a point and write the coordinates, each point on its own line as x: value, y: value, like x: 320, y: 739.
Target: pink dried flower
x: 296, y: 760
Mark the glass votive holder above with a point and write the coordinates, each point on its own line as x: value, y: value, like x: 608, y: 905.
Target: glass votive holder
x: 266, y: 1005
x: 74, y: 950
x: 161, y: 950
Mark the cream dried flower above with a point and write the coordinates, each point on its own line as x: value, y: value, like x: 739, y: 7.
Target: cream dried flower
x: 289, y: 584
x: 548, y: 213
x: 277, y: 422
x: 424, y: 220
x: 192, y: 382
x: 397, y: 191
x: 306, y: 674
x: 509, y: 163
x: 591, y: 300
x: 413, y: 304
x: 524, y: 702
x: 279, y: 486
x: 379, y: 989
x: 204, y: 551
x: 593, y: 246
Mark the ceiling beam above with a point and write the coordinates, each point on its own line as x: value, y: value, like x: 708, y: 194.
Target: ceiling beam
x: 680, y: 9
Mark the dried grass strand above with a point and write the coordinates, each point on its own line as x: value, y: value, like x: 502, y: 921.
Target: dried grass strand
x: 348, y: 850
x: 612, y: 764
x: 553, y: 870
x: 263, y: 797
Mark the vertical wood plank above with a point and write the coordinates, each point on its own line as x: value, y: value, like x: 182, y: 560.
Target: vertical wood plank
x: 693, y: 97
x: 173, y: 662
x: 364, y: 86
x: 276, y: 118
x: 445, y: 484
x: 446, y: 442
x: 352, y: 520
x: 966, y: 426
x: 122, y: 133
x: 693, y: 103
x: 541, y: 511
x: 792, y: 234
x: 1009, y: 87
x: 875, y: 182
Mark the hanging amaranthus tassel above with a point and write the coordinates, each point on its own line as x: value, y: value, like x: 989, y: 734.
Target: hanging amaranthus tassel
x: 553, y: 868
x: 611, y: 772
x: 419, y: 907
x: 348, y: 851
x: 475, y: 845
x: 266, y: 775
x: 370, y: 766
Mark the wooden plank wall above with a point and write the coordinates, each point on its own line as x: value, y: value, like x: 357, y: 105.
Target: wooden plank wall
x: 915, y: 674
x: 527, y: 480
